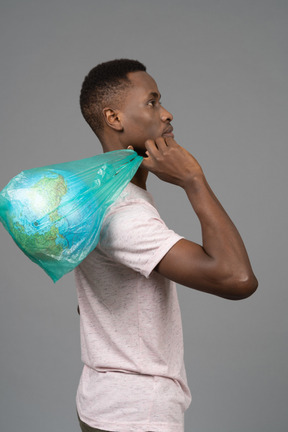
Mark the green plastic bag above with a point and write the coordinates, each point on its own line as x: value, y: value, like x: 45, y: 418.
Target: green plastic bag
x: 54, y: 213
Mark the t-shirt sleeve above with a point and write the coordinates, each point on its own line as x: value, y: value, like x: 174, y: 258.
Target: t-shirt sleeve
x: 135, y: 235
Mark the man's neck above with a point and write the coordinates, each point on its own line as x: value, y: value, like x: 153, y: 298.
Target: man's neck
x: 110, y: 144
x: 140, y: 178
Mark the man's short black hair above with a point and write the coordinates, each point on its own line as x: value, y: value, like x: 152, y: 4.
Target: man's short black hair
x: 105, y: 84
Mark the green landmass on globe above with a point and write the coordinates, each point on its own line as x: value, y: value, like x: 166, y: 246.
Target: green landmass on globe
x: 44, y: 198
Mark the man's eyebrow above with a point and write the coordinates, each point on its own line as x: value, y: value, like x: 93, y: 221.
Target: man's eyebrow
x: 155, y: 95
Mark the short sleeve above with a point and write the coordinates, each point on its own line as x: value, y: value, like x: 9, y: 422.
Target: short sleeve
x: 134, y: 235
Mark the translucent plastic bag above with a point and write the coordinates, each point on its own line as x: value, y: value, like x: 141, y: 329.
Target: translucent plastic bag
x: 54, y: 213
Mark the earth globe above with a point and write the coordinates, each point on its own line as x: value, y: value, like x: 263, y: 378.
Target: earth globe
x: 54, y: 213
x: 45, y: 220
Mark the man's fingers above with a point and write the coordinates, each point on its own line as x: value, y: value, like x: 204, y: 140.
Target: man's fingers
x: 151, y: 147
x: 148, y: 161
x: 157, y: 151
x: 161, y: 144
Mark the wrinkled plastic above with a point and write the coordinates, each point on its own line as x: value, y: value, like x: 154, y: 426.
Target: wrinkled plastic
x: 54, y: 213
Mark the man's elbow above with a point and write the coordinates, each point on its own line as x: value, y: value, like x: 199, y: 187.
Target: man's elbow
x: 242, y: 288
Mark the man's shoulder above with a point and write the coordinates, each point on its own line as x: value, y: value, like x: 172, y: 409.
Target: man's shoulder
x: 133, y: 192
x: 132, y: 198
x: 133, y: 211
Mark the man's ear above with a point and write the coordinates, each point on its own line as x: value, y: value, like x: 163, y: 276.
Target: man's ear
x: 112, y: 119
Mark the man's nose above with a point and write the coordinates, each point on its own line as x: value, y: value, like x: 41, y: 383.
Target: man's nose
x: 166, y: 115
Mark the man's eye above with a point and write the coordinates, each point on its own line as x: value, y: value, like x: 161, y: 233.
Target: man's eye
x: 152, y: 103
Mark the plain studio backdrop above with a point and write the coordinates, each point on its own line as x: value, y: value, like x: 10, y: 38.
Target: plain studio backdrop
x: 221, y: 66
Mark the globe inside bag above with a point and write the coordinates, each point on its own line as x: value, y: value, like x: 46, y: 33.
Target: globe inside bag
x: 54, y: 213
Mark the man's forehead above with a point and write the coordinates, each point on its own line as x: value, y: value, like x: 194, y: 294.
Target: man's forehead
x: 143, y: 81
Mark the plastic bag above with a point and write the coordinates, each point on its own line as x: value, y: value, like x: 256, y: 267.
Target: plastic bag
x: 54, y: 213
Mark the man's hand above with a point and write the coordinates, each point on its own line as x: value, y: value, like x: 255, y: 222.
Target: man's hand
x: 171, y: 162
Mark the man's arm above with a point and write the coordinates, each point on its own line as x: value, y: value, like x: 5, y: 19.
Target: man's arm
x: 221, y: 265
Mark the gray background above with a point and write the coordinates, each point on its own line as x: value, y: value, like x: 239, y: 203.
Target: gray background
x: 221, y: 67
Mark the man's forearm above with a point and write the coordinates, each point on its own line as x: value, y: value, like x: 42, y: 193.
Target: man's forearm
x: 221, y: 240
x: 221, y: 265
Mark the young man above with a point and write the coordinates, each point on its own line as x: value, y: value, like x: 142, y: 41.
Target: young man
x: 134, y: 377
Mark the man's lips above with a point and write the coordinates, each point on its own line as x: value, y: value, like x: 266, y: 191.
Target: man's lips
x: 168, y: 132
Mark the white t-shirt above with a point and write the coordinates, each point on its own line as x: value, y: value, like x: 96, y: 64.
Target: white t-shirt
x: 134, y: 377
